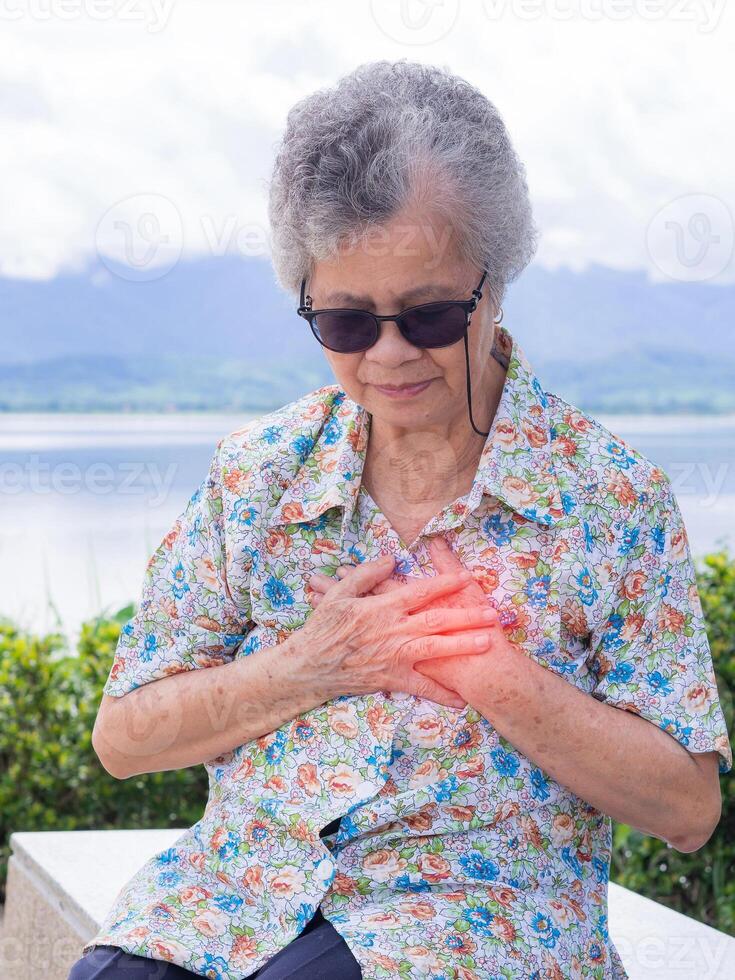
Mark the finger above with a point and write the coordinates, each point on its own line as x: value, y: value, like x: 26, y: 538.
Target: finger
x: 447, y: 560
x: 387, y: 585
x: 319, y: 582
x: 365, y: 576
x: 419, y: 593
x: 446, y: 620
x: 425, y: 687
x: 442, y: 555
x: 454, y: 645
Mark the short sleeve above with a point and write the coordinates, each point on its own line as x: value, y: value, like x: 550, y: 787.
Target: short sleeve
x: 186, y: 617
x: 650, y: 653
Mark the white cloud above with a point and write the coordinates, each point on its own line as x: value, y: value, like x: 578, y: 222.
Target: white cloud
x: 614, y: 119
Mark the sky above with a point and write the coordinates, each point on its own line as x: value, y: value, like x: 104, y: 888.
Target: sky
x: 129, y: 127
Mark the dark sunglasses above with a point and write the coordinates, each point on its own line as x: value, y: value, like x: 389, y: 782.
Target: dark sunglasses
x: 345, y: 331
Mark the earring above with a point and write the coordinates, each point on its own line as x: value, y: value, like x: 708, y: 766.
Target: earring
x: 499, y: 319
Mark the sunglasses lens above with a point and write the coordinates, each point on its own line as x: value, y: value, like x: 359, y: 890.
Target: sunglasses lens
x: 345, y: 331
x: 431, y: 325
x: 434, y: 325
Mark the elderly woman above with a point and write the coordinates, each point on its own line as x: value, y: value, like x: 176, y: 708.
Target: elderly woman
x: 450, y: 622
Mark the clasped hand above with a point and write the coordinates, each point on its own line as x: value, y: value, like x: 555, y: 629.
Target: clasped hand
x: 448, y: 674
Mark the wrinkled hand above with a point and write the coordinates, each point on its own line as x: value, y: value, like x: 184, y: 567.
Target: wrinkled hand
x: 455, y: 672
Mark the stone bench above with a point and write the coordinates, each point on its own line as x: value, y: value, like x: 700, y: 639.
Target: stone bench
x: 61, y: 883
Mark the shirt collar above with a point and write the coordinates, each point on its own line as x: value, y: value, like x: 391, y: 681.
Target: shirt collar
x: 515, y: 465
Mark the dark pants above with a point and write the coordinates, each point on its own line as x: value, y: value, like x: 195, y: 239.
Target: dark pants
x: 317, y: 953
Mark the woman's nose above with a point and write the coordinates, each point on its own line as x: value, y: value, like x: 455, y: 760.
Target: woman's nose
x: 391, y: 347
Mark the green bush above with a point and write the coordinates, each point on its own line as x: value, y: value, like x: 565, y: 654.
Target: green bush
x: 50, y: 776
x: 700, y: 884
x: 51, y: 779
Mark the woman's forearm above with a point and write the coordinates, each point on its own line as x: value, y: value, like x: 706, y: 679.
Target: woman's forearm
x: 622, y: 764
x: 192, y: 717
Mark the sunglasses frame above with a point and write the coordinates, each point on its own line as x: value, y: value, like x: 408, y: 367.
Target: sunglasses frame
x: 468, y: 306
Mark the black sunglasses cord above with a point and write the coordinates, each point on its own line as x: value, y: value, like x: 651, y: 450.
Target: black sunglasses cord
x: 469, y: 388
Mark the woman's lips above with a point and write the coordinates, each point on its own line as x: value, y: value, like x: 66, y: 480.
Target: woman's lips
x: 406, y: 391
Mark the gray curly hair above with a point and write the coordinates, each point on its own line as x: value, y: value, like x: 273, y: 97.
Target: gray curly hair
x: 388, y: 135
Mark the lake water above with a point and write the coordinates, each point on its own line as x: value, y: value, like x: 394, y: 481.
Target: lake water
x: 85, y: 499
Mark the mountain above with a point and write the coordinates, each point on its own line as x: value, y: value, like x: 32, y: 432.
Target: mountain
x: 225, y: 307
x: 217, y: 333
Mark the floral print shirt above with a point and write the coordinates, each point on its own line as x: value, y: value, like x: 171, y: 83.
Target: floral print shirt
x: 456, y: 855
